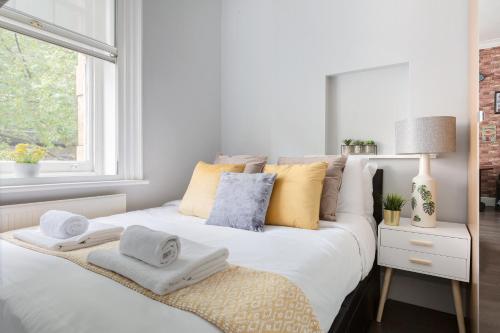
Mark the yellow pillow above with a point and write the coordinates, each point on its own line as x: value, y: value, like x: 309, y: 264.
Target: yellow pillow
x: 296, y: 195
x: 200, y: 194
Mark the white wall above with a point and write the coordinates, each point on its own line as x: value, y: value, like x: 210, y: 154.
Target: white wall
x: 276, y: 55
x: 181, y: 96
x: 356, y: 100
x: 489, y: 29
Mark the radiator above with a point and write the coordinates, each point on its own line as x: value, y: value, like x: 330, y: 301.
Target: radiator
x: 27, y: 215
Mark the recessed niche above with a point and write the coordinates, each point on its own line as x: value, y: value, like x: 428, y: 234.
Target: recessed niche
x: 364, y: 105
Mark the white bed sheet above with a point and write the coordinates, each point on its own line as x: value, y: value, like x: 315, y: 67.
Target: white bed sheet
x: 45, y: 294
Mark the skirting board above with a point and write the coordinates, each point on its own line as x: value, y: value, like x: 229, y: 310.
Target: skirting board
x: 27, y: 215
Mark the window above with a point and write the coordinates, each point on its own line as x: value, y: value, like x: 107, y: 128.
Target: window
x: 40, y: 91
x: 50, y: 96
x: 63, y: 85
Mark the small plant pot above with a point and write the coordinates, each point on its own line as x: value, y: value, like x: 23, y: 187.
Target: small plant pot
x: 370, y: 150
x: 358, y: 149
x: 27, y: 170
x: 391, y: 217
x: 346, y: 150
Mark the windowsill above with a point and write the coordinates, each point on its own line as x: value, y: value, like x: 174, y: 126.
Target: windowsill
x: 9, y: 183
x: 45, y: 176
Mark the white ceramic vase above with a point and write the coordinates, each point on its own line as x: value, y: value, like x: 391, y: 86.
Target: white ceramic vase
x: 27, y: 170
x: 423, y: 196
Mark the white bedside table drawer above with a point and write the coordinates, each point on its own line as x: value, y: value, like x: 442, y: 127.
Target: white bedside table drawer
x: 446, y: 246
x: 431, y: 264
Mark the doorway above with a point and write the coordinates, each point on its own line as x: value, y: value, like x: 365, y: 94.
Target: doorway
x: 489, y: 166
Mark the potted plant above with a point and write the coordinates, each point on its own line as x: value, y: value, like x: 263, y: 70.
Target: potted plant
x: 27, y: 157
x: 370, y: 147
x: 347, y: 148
x: 358, y: 146
x: 393, y: 203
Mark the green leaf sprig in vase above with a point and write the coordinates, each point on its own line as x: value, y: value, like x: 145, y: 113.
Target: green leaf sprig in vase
x: 347, y: 148
x: 393, y: 203
x: 27, y: 157
x: 358, y: 146
x: 369, y: 147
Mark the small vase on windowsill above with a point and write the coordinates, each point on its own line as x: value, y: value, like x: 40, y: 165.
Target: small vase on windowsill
x: 27, y: 170
x: 27, y: 157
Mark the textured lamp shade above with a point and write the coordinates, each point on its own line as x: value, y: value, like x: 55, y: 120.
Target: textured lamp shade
x: 426, y: 135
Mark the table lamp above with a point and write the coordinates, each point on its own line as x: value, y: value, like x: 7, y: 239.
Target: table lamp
x: 424, y: 136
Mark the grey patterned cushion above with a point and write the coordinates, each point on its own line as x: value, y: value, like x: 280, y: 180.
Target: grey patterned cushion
x: 241, y: 200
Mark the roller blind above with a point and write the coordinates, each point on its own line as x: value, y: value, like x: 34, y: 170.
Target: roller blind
x: 85, y: 26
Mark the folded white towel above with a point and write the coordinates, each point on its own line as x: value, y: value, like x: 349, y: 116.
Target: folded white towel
x: 196, y: 262
x: 97, y: 233
x: 61, y: 224
x: 156, y: 248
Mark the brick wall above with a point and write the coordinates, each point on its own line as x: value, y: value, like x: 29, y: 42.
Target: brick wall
x: 489, y: 60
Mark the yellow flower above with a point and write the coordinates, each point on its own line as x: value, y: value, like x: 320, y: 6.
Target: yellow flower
x: 37, y: 155
x: 26, y: 153
x: 22, y: 147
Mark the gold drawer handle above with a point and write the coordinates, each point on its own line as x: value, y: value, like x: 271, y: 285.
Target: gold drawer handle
x: 421, y: 242
x: 421, y: 261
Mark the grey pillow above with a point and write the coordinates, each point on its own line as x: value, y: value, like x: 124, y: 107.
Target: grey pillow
x: 241, y: 200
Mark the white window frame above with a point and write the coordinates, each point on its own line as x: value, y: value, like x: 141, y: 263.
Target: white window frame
x: 128, y: 32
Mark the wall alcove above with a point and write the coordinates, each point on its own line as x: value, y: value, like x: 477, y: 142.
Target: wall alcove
x: 364, y: 104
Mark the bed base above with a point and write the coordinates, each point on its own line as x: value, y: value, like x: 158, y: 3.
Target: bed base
x: 359, y: 308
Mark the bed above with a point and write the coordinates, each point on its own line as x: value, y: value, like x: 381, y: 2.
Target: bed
x: 333, y: 266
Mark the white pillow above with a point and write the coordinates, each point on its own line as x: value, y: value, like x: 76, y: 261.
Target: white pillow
x: 368, y: 173
x: 356, y: 192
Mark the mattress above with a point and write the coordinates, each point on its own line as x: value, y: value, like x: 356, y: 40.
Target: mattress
x: 46, y: 294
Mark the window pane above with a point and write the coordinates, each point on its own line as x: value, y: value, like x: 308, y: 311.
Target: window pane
x: 42, y: 97
x: 92, y: 18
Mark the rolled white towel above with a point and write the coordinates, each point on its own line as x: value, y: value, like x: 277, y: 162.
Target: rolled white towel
x: 61, y: 224
x: 156, y: 248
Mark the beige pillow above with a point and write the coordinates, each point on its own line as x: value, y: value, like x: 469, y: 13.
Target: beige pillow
x: 332, y: 182
x: 253, y: 163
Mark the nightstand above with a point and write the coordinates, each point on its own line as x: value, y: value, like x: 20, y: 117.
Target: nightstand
x: 443, y: 251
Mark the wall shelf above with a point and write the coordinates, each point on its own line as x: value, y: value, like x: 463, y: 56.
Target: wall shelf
x: 394, y: 157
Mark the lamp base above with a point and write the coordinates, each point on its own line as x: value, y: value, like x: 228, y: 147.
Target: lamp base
x: 423, y: 196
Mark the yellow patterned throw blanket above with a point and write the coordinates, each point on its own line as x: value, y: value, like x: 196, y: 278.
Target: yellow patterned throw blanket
x: 237, y: 299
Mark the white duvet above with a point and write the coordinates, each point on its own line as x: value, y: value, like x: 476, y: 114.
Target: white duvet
x: 45, y: 294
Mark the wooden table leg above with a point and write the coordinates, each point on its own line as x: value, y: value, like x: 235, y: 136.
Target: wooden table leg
x: 385, y: 291
x: 457, y: 298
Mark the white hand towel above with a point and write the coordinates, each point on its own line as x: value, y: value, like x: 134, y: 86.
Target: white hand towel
x: 196, y: 262
x: 97, y: 233
x: 156, y: 248
x: 61, y: 224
